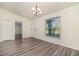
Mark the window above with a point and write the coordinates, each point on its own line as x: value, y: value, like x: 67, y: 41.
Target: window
x: 53, y: 27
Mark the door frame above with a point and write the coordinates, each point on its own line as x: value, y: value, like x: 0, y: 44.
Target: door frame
x: 21, y: 28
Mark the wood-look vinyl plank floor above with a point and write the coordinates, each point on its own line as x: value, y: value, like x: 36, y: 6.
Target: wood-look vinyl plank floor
x: 34, y: 47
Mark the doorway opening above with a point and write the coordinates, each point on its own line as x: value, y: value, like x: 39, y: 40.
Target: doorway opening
x: 18, y: 30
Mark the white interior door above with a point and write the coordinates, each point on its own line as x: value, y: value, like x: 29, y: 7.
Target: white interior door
x: 7, y: 30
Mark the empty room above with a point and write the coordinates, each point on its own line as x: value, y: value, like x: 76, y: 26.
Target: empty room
x: 39, y: 28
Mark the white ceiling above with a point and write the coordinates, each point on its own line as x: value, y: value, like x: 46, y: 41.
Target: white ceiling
x: 25, y: 8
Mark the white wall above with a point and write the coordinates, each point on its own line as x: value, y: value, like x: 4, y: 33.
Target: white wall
x: 7, y: 25
x: 69, y: 28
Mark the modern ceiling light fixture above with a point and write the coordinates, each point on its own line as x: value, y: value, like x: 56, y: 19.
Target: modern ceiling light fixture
x: 36, y: 10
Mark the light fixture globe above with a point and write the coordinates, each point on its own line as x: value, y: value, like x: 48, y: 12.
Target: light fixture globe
x: 33, y: 9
